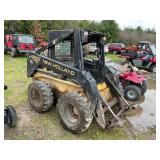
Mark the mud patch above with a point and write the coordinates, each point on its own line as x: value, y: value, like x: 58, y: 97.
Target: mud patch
x: 146, y: 120
x: 22, y: 119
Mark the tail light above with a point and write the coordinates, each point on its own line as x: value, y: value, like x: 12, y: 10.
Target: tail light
x: 26, y: 46
x: 22, y: 46
x: 31, y: 46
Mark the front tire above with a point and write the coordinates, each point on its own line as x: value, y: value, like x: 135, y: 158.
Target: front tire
x: 11, y: 116
x: 144, y: 87
x: 13, y: 52
x: 132, y: 92
x: 40, y: 96
x: 74, y: 112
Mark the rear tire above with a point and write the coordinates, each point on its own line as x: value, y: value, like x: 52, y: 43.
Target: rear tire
x: 74, y: 112
x: 132, y: 92
x: 13, y: 52
x: 153, y: 68
x: 40, y: 96
x: 115, y: 52
x: 11, y: 116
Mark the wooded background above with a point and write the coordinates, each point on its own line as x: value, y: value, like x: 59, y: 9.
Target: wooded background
x: 40, y: 28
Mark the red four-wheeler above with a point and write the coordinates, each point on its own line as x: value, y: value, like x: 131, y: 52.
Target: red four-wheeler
x: 144, y: 56
x: 18, y: 44
x: 133, y: 84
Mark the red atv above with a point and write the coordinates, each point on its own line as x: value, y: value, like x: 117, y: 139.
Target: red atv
x: 134, y: 85
x: 18, y: 44
x: 143, y: 56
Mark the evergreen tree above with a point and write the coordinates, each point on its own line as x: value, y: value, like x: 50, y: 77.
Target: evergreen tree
x: 110, y: 29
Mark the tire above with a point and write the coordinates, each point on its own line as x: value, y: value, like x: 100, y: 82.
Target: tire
x: 74, y: 112
x: 13, y: 52
x: 40, y: 96
x: 132, y: 92
x: 115, y: 52
x: 5, y: 49
x: 126, y: 62
x: 11, y: 116
x: 153, y: 68
x: 144, y: 87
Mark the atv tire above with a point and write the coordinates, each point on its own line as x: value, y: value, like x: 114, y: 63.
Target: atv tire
x: 74, y: 112
x: 40, y: 96
x: 5, y: 49
x: 13, y: 52
x: 144, y: 87
x: 11, y: 116
x: 153, y: 68
x: 132, y: 92
x: 126, y: 62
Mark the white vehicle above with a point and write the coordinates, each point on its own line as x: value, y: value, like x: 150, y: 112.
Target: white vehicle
x: 106, y: 48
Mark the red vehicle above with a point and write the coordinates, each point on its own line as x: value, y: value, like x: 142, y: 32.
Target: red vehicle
x: 18, y: 44
x: 134, y: 85
x: 144, y: 56
x: 116, y: 48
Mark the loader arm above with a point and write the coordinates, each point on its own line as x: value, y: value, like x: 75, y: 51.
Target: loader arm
x: 83, y: 78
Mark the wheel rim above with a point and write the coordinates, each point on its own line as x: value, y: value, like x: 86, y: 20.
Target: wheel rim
x: 114, y: 52
x: 70, y: 115
x: 8, y: 118
x: 154, y: 69
x: 132, y: 94
x: 35, y: 97
x: 11, y: 52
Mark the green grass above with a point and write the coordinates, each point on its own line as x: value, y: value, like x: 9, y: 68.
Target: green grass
x: 114, y: 57
x: 32, y: 125
x: 15, y: 77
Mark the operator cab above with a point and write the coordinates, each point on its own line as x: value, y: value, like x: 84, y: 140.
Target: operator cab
x: 93, y: 55
x: 148, y: 46
x: 83, y: 50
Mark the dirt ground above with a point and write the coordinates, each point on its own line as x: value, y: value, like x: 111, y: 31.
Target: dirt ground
x: 33, y: 126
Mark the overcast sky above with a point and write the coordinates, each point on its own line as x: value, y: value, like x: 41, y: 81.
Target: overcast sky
x: 134, y: 23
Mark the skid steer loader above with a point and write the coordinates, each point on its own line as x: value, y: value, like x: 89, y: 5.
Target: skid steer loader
x: 77, y: 81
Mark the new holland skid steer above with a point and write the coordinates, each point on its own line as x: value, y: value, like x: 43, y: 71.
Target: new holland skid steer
x: 77, y: 81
